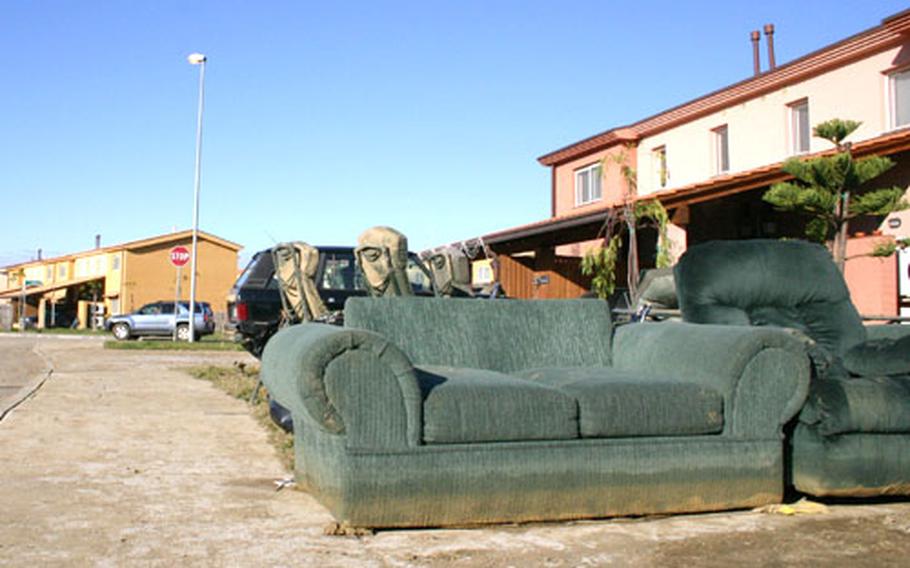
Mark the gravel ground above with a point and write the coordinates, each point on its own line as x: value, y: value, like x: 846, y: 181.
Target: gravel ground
x: 122, y: 459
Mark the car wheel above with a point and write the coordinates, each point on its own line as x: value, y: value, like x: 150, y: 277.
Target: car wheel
x: 121, y: 331
x: 183, y: 332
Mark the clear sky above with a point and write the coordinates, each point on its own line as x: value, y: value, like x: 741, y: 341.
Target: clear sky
x: 325, y: 118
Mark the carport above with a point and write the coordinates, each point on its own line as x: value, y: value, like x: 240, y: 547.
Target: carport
x: 46, y: 298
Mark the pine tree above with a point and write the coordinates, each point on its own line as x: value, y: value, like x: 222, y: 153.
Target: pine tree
x: 829, y: 189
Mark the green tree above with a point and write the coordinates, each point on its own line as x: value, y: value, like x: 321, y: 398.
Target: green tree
x: 830, y: 189
x: 599, y: 262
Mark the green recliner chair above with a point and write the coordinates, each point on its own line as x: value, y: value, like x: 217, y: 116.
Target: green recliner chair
x: 852, y: 437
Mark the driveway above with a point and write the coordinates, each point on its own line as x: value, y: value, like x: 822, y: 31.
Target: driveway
x: 120, y: 458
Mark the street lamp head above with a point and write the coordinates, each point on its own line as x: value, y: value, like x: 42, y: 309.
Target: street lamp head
x: 196, y: 58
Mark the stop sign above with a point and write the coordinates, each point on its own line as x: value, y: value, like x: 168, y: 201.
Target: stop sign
x: 180, y: 256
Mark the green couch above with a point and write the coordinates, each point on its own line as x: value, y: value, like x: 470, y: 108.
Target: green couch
x: 853, y: 436
x: 443, y: 411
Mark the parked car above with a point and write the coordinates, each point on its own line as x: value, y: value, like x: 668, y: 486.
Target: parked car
x: 159, y: 318
x: 254, y: 302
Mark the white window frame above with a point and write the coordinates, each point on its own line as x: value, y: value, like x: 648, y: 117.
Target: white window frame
x: 720, y: 141
x: 892, y: 99
x: 594, y: 173
x: 793, y: 128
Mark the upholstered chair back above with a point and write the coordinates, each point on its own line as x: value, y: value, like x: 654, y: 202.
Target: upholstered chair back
x: 792, y: 284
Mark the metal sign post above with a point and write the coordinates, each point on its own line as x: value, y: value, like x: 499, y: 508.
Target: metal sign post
x: 179, y: 257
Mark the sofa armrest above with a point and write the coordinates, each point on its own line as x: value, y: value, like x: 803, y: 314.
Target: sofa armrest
x: 348, y: 381
x: 885, y: 331
x: 762, y: 373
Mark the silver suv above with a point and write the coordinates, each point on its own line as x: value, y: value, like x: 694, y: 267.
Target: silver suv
x: 160, y: 318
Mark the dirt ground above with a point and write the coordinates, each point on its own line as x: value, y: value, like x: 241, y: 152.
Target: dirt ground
x: 120, y: 458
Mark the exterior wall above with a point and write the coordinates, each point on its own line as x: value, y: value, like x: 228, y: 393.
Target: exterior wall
x: 873, y: 282
x: 149, y: 276
x: 91, y: 265
x: 577, y: 250
x: 898, y: 176
x: 35, y: 272
x: 758, y: 129
x: 543, y: 276
x: 612, y: 183
x: 113, y: 282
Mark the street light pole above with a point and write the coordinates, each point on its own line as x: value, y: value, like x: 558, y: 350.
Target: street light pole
x: 196, y: 59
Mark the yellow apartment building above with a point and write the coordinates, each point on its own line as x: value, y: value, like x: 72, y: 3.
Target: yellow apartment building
x: 118, y: 279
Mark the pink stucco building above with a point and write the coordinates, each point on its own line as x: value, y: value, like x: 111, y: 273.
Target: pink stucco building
x: 710, y: 160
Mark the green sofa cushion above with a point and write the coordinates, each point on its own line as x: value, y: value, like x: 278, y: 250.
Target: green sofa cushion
x: 504, y: 336
x: 615, y: 403
x: 463, y: 405
x: 878, y: 405
x: 879, y: 357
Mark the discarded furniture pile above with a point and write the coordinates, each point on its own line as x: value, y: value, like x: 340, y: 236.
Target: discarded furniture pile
x: 852, y: 438
x: 435, y: 411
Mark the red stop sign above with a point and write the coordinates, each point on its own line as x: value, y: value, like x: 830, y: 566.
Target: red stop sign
x: 180, y: 256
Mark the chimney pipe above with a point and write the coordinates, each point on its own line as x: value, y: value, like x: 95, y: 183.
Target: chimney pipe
x: 39, y: 254
x: 756, y: 61
x: 97, y: 241
x: 769, y: 33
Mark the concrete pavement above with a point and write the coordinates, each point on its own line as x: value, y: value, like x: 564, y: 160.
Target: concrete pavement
x: 121, y: 458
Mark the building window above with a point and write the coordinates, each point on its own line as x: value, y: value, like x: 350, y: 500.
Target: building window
x: 588, y: 184
x: 61, y: 271
x: 799, y: 127
x: 50, y: 273
x: 115, y: 263
x: 900, y: 99
x: 659, y: 166
x: 721, y: 149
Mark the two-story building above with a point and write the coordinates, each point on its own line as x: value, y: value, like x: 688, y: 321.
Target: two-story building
x: 118, y: 279
x: 710, y: 160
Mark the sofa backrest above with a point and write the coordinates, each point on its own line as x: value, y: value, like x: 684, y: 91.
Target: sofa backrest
x: 500, y: 335
x: 791, y: 284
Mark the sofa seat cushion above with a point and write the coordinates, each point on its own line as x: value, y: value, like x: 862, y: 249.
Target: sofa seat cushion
x: 616, y: 403
x: 886, y: 356
x: 463, y: 405
x: 872, y: 405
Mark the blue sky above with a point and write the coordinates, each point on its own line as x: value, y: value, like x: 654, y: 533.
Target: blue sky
x: 325, y: 118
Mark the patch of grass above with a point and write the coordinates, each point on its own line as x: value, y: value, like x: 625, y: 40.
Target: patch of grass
x: 239, y: 382
x: 207, y: 343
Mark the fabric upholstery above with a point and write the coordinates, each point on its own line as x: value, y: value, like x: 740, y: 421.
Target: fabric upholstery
x: 874, y: 332
x: 613, y: 403
x: 383, y: 415
x: 464, y: 405
x: 382, y: 254
x: 658, y: 288
x: 504, y: 336
x: 323, y: 370
x: 458, y: 484
x: 859, y: 404
x: 884, y: 356
x: 858, y: 409
x: 762, y: 282
x: 762, y: 374
x: 850, y: 465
